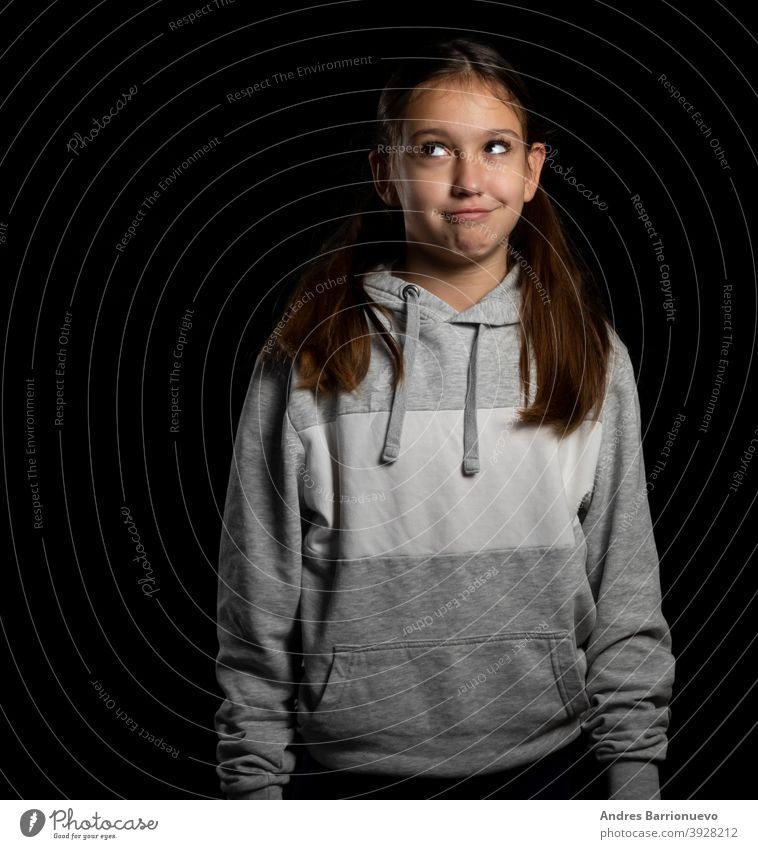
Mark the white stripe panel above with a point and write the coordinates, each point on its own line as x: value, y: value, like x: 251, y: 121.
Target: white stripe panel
x: 526, y: 494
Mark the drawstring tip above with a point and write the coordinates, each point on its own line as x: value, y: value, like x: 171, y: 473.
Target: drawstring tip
x: 390, y: 453
x: 471, y: 465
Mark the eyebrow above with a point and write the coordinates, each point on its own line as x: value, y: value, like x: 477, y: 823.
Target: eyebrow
x: 440, y: 131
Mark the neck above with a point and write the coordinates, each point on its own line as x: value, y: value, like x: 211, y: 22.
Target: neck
x: 459, y: 285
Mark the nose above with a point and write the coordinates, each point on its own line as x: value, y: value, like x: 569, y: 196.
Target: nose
x: 468, y: 176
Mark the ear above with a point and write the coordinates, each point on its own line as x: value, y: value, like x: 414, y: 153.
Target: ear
x: 383, y: 182
x: 534, y: 161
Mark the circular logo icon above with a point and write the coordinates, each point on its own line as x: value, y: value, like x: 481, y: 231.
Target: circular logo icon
x: 32, y: 822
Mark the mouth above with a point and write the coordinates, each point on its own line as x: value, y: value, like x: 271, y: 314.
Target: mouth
x: 468, y: 214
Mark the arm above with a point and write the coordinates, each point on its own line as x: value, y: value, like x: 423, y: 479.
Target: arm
x: 258, y: 664
x: 630, y: 667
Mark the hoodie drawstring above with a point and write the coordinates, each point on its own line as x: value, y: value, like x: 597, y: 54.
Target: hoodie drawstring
x: 391, y: 451
x: 470, y: 430
x: 395, y: 427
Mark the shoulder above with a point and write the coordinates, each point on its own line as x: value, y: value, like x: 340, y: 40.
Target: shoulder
x: 620, y: 374
x: 621, y: 398
x: 268, y: 386
x: 274, y: 367
x: 277, y: 382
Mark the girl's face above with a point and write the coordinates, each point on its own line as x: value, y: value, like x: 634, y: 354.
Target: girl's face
x: 462, y: 174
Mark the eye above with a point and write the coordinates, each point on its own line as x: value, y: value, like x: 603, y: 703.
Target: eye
x: 428, y: 147
x: 502, y: 143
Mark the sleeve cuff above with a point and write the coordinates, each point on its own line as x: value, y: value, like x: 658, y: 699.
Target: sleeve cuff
x: 270, y: 791
x: 630, y: 779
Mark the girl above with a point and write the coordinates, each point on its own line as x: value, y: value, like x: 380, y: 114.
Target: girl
x: 437, y: 573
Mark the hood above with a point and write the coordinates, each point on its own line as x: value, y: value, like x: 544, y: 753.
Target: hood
x: 498, y: 307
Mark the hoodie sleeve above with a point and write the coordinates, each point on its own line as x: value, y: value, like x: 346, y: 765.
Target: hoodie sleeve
x: 259, y: 660
x: 630, y: 667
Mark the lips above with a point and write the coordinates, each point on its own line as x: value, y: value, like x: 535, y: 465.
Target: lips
x: 468, y: 214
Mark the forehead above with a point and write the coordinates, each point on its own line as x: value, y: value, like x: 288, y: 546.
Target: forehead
x: 463, y: 108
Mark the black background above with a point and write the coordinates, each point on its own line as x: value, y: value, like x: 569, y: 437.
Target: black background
x: 225, y: 238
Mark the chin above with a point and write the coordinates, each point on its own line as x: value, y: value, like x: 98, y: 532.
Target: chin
x: 478, y: 252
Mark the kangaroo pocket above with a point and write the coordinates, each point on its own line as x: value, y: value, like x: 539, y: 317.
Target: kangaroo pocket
x: 484, y: 702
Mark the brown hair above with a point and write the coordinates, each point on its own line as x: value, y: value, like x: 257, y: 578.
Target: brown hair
x: 564, y: 324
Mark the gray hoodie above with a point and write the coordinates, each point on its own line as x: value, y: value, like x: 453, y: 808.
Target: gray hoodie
x: 412, y: 583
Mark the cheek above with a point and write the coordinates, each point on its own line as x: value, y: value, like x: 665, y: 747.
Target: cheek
x: 510, y: 186
x: 406, y: 191
x: 428, y: 190
x: 423, y: 186
x: 421, y: 197
x: 506, y: 180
